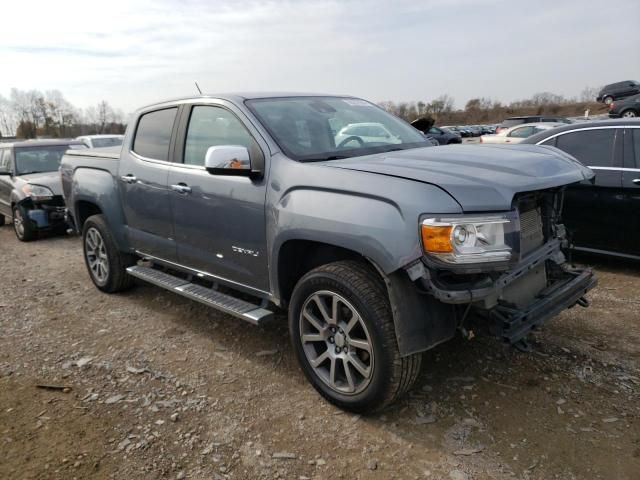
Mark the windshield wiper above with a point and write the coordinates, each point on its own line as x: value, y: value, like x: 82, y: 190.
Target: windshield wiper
x: 29, y: 173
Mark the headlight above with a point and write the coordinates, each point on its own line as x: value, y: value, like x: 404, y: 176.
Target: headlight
x: 38, y: 193
x: 468, y: 240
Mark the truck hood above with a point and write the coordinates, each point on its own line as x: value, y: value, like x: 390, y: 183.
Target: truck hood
x: 46, y: 179
x: 480, y: 178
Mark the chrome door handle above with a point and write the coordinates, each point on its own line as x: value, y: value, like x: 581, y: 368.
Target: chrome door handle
x: 636, y: 181
x: 129, y: 178
x: 181, y: 188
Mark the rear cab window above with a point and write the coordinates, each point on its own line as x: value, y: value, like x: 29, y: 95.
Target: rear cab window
x: 153, y: 134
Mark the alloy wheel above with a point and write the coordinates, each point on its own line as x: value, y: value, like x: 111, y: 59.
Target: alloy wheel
x: 336, y: 342
x: 96, y: 254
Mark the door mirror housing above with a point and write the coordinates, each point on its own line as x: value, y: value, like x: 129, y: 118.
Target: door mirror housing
x: 230, y: 160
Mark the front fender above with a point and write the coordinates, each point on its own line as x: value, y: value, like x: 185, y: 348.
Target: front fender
x: 381, y: 226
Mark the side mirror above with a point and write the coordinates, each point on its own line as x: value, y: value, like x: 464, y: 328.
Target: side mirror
x: 229, y: 160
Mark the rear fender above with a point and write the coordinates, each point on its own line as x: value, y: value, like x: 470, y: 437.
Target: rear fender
x: 98, y: 187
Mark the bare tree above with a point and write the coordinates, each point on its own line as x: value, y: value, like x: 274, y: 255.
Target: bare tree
x: 105, y: 115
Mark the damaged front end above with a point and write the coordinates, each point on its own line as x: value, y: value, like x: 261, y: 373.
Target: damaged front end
x: 524, y: 278
x: 43, y: 212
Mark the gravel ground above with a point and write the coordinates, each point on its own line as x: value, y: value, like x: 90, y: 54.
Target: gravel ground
x: 160, y: 387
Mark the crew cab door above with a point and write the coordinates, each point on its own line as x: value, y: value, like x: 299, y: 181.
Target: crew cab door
x: 591, y: 209
x: 143, y: 172
x: 219, y: 220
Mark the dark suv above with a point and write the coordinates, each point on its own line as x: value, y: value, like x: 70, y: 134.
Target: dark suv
x: 627, y: 108
x: 513, y: 121
x: 616, y: 91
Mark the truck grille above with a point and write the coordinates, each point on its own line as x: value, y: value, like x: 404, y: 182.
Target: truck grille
x: 531, y: 234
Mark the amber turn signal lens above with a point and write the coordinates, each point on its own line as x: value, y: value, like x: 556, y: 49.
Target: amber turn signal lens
x: 437, y: 239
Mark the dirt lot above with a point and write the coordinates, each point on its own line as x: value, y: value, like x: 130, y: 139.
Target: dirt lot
x: 164, y: 388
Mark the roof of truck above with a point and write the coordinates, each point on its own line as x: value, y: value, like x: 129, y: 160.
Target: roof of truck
x: 241, y: 96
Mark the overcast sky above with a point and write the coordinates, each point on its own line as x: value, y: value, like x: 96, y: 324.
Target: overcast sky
x: 136, y: 52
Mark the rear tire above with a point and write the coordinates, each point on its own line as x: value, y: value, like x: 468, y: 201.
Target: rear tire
x: 629, y: 114
x: 608, y: 100
x: 348, y: 349
x: 106, y: 264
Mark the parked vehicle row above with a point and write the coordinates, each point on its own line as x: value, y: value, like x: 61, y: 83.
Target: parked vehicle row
x: 517, y: 133
x: 470, y: 130
x: 513, y: 121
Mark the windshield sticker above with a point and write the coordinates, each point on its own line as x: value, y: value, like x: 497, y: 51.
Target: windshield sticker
x: 354, y: 102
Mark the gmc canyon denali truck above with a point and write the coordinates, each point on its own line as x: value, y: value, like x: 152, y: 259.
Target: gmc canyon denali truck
x: 379, y: 247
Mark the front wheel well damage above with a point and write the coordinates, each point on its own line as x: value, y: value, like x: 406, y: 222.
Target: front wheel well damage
x: 297, y: 257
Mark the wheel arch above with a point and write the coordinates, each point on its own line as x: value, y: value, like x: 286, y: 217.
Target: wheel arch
x: 95, y: 192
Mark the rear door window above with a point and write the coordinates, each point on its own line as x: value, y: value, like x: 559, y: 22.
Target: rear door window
x: 594, y: 148
x: 153, y: 134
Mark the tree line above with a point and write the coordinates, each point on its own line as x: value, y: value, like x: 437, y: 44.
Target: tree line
x: 35, y: 114
x: 482, y: 110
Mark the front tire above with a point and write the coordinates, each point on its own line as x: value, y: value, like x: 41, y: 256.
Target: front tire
x: 106, y: 264
x: 23, y: 227
x: 629, y: 114
x: 344, y: 338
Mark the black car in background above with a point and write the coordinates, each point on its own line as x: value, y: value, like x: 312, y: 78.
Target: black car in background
x: 513, y: 121
x: 618, y: 90
x: 444, y: 136
x: 603, y: 215
x: 627, y: 108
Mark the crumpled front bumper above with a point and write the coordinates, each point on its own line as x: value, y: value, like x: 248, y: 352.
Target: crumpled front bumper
x: 567, y: 288
x: 513, y: 324
x: 44, y: 215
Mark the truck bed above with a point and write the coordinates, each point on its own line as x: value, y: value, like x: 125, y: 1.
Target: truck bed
x: 104, y: 152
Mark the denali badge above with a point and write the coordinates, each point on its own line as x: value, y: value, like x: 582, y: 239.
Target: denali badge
x: 245, y: 251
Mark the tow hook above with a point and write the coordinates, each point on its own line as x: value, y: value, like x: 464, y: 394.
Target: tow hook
x: 583, y: 302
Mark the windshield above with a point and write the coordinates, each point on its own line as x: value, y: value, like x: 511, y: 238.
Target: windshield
x: 328, y: 128
x: 106, y: 142
x: 40, y: 159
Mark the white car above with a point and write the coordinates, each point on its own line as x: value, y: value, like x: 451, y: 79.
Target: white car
x: 99, y: 141
x: 518, y: 133
x: 359, y: 134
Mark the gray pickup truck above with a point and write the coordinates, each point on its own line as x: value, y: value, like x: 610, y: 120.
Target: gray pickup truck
x: 379, y: 246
